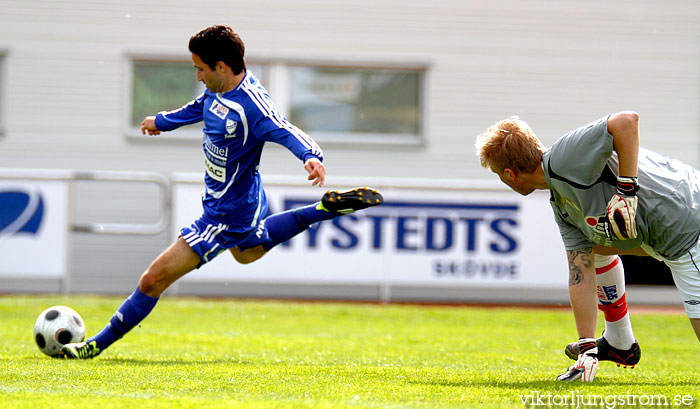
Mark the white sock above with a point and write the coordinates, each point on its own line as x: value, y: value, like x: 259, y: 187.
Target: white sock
x: 610, y: 280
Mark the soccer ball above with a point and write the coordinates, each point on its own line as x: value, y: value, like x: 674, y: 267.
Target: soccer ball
x: 57, y: 326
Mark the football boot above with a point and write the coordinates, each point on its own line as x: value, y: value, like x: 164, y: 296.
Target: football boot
x: 348, y: 201
x: 606, y: 352
x: 80, y: 350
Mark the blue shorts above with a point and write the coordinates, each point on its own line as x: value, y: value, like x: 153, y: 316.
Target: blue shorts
x: 208, y: 237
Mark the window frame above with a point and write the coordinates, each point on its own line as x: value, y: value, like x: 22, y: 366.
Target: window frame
x: 3, y: 91
x: 134, y: 132
x: 278, y: 74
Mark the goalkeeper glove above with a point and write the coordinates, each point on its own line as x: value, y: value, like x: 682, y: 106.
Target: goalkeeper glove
x: 586, y: 364
x: 622, y: 210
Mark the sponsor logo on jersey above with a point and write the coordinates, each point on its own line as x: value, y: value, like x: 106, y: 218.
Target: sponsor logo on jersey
x: 20, y: 212
x: 212, y: 149
x: 215, y: 160
x: 230, y: 127
x: 218, y: 109
x: 692, y: 302
x: 215, y: 171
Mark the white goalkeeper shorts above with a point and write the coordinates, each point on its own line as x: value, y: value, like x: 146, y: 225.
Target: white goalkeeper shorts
x: 686, y: 275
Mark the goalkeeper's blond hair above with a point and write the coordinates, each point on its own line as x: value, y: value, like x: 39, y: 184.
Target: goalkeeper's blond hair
x: 509, y: 144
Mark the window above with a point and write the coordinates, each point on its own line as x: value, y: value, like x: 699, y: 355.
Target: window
x: 161, y: 86
x: 333, y: 103
x: 164, y: 85
x: 357, y: 104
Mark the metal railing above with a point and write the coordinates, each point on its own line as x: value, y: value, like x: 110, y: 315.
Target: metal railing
x: 161, y: 223
x: 387, y: 288
x: 158, y: 226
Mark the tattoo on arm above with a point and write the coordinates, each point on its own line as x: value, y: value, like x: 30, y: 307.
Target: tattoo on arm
x: 578, y: 260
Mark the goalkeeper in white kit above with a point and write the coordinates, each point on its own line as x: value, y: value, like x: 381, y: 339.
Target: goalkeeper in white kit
x: 609, y: 196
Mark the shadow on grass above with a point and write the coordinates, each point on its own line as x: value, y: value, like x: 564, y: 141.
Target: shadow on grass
x: 175, y: 362
x: 545, y: 384
x: 113, y: 361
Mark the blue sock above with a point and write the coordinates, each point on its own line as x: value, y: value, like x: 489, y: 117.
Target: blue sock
x: 132, y: 311
x: 285, y: 225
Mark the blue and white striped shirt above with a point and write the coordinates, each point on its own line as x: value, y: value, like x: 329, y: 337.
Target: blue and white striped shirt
x: 237, y: 124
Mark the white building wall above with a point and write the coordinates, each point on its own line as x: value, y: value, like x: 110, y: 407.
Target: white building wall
x: 557, y: 64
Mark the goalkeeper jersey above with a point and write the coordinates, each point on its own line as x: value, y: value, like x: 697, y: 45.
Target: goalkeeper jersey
x: 581, y: 170
x: 237, y: 124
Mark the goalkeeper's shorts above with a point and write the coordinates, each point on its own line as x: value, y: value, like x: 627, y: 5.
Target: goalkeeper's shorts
x: 686, y: 275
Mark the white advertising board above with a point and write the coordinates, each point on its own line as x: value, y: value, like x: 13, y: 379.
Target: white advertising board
x: 33, y: 228
x: 422, y: 236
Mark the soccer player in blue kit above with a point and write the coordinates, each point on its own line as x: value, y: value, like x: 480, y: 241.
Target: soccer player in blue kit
x: 609, y: 196
x: 239, y: 117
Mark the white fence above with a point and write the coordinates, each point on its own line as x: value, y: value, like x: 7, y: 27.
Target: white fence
x: 432, y: 241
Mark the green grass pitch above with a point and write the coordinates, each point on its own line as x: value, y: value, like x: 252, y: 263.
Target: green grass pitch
x: 202, y: 353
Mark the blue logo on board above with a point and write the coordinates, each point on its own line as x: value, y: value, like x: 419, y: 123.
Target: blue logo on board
x: 426, y: 227
x: 465, y: 239
x: 20, y: 212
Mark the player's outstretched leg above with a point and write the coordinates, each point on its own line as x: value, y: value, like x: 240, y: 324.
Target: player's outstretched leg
x: 281, y: 227
x: 132, y: 311
x: 176, y: 261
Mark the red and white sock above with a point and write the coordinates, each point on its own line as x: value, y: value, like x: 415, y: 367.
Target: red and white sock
x: 610, y: 281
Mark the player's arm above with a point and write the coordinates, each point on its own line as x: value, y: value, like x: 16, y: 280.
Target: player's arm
x: 277, y: 129
x: 190, y: 113
x: 622, y: 208
x: 582, y: 291
x: 149, y: 125
x: 624, y: 128
x: 316, y: 170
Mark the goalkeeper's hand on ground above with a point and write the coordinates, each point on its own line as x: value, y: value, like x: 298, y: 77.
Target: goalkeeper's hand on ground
x: 586, y: 364
x: 622, y: 210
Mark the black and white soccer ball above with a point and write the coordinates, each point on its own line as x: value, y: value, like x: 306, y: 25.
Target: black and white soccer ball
x: 57, y: 326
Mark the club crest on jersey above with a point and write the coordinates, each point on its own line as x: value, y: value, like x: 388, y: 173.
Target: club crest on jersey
x: 219, y: 110
x: 230, y: 127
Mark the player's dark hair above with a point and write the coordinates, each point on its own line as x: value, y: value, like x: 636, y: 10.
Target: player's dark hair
x: 219, y: 43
